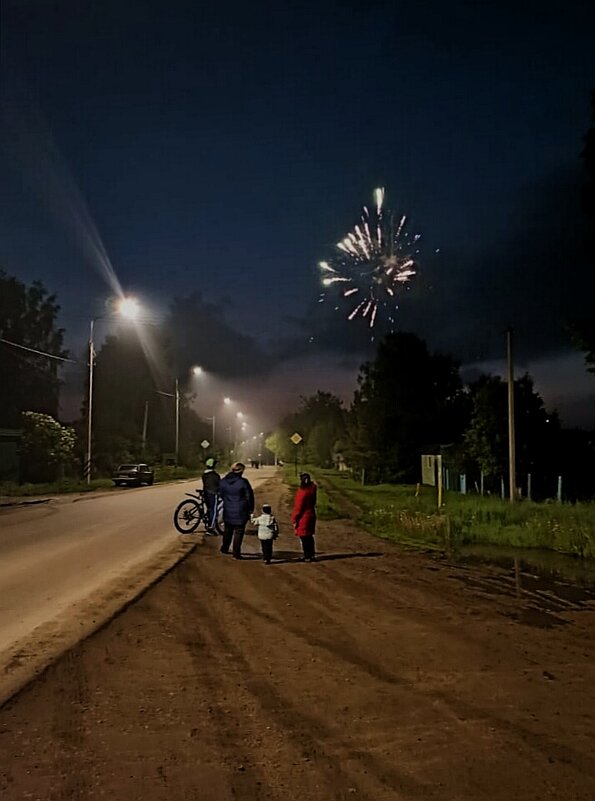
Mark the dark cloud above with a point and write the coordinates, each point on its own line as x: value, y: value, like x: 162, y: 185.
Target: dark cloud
x: 200, y: 333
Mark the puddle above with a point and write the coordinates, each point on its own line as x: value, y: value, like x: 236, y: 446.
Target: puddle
x: 544, y: 583
x: 550, y: 567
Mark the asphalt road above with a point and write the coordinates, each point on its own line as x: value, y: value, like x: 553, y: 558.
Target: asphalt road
x: 55, y: 556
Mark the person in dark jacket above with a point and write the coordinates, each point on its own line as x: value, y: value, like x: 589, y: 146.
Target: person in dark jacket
x: 238, y: 505
x: 304, y: 516
x: 210, y: 487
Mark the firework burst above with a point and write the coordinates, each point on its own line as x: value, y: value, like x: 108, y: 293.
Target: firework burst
x: 372, y: 263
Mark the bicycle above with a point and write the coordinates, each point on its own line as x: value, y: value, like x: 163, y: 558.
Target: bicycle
x: 189, y: 515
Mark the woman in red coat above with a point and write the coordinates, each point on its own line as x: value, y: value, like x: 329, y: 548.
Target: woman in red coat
x: 304, y: 516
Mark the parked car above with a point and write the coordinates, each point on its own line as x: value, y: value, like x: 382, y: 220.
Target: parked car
x: 133, y: 475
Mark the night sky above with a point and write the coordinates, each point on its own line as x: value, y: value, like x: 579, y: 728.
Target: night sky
x: 224, y: 148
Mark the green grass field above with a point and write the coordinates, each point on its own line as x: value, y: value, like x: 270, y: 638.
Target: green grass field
x: 395, y: 512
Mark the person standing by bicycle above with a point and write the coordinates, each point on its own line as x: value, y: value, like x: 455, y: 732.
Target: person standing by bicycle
x: 210, y: 487
x: 238, y: 505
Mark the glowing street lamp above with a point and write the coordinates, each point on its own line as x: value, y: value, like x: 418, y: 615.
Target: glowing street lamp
x: 128, y: 308
x: 197, y: 370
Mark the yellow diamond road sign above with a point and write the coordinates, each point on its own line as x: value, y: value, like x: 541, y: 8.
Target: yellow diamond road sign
x: 295, y: 438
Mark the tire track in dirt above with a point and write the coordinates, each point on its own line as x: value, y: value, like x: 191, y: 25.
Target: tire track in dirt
x: 236, y: 679
x: 341, y: 783
x: 68, y: 729
x: 346, y: 648
x: 348, y: 653
x: 220, y: 682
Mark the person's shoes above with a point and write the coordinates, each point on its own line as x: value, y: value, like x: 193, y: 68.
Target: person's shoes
x: 267, y: 561
x: 238, y: 557
x: 223, y: 551
x: 302, y: 559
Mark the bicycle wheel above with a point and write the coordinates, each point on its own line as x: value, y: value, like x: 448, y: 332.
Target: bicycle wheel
x: 187, y: 517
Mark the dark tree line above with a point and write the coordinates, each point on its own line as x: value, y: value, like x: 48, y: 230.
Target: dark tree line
x: 410, y: 402
x: 585, y: 329
x: 30, y: 382
x: 132, y: 369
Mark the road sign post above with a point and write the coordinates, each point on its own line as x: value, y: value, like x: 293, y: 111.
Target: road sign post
x: 296, y: 439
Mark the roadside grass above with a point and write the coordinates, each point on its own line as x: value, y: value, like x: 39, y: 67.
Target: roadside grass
x: 176, y: 473
x: 15, y: 490
x: 395, y: 512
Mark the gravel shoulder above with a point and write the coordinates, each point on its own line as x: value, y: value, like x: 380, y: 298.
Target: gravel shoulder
x: 375, y: 673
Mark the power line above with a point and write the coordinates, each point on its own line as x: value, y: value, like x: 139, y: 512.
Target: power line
x: 38, y: 352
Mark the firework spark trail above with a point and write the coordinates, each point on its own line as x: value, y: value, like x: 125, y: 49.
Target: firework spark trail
x: 377, y: 257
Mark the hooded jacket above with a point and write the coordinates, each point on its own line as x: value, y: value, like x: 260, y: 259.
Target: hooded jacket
x: 211, y: 480
x: 238, y: 499
x: 268, y: 528
x: 304, y: 511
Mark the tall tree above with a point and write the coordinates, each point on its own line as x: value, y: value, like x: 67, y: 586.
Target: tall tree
x: 585, y: 329
x: 408, y: 399
x: 536, y: 429
x: 320, y: 421
x: 29, y: 382
x: 131, y: 371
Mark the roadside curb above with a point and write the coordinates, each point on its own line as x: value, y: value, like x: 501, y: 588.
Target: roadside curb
x: 30, y: 502
x: 22, y: 665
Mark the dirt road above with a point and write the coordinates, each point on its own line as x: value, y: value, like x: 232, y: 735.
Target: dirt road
x: 372, y: 674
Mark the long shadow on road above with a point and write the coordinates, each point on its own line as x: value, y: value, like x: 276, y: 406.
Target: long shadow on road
x: 283, y: 557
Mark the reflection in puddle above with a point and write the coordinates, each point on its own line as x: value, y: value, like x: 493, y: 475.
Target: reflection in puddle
x: 545, y: 584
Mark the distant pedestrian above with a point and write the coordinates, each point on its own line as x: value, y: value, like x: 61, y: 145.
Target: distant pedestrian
x: 238, y: 505
x: 210, y: 487
x: 304, y: 516
x: 268, y: 530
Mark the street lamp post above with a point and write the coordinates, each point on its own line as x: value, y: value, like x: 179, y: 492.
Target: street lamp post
x: 177, y: 452
x: 90, y: 403
x: 127, y: 307
x: 176, y: 396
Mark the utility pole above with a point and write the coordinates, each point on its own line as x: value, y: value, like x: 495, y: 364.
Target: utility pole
x: 176, y: 397
x: 145, y: 423
x: 511, y: 439
x: 439, y: 479
x: 212, y: 419
x: 177, y: 421
x: 90, y: 404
